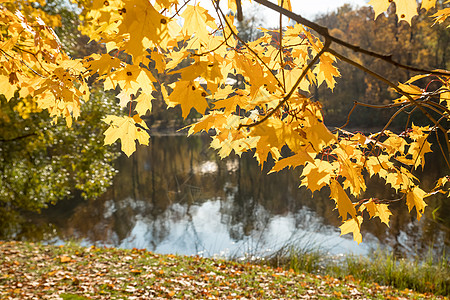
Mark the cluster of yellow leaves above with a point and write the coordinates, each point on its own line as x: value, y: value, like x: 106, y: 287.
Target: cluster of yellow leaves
x: 407, y: 9
x: 34, y: 65
x: 265, y: 109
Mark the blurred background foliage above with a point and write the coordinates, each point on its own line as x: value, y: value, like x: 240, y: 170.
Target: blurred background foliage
x: 40, y: 162
x: 421, y: 45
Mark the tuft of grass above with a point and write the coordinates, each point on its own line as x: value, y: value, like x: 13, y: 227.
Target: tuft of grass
x: 424, y: 275
x: 309, y: 260
x: 428, y: 275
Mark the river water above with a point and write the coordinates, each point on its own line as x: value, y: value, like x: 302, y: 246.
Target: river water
x: 178, y: 196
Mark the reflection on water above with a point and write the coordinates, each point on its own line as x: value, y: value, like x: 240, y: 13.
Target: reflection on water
x: 177, y: 196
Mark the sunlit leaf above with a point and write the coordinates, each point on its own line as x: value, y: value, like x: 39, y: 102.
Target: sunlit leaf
x: 353, y: 225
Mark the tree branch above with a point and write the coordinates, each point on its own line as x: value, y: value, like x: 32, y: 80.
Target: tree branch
x: 17, y: 138
x: 323, y: 31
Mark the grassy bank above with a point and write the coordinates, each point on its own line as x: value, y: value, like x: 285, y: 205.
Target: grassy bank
x: 428, y: 274
x: 71, y: 272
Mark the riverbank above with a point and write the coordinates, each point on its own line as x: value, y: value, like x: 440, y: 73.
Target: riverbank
x: 34, y: 271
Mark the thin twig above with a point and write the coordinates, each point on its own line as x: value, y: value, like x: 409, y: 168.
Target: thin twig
x: 356, y: 103
x: 281, y: 50
x: 395, y: 87
x: 17, y: 138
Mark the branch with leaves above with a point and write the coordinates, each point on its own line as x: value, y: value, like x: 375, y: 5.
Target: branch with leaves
x: 269, y: 109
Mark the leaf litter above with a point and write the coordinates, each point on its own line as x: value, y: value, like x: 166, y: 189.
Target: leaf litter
x: 35, y: 271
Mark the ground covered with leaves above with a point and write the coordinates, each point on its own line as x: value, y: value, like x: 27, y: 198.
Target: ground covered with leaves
x: 34, y: 271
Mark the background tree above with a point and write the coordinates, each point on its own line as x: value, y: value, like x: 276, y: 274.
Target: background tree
x: 40, y: 162
x: 418, y: 44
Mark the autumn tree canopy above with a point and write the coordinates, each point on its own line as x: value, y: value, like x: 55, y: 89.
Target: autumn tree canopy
x: 184, y: 54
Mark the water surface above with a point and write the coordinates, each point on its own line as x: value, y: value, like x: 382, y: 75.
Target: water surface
x: 177, y: 196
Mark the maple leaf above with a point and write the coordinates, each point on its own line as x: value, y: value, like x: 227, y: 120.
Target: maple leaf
x: 413, y: 91
x: 343, y: 202
x: 205, y: 69
x: 319, y: 136
x: 214, y: 120
x: 196, y: 18
x: 418, y: 149
x: 428, y: 4
x: 414, y: 198
x: 405, y: 9
x: 317, y: 175
x: 230, y: 105
x: 189, y: 94
x: 166, y: 3
x: 298, y: 159
x: 353, y: 225
x: 144, y: 104
x: 125, y: 129
x: 133, y: 77
x: 292, y: 76
x: 441, y: 15
x: 349, y: 170
x: 441, y: 182
x: 144, y: 25
x: 7, y: 88
x: 326, y: 71
x: 101, y: 64
x: 379, y: 210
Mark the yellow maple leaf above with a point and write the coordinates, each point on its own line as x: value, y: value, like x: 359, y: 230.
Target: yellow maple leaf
x: 414, y: 198
x: 298, y: 159
x: 418, y: 149
x: 317, y: 175
x: 405, y: 9
x: 379, y: 210
x: 441, y: 182
x: 144, y: 104
x: 413, y: 91
x: 343, y: 202
x: 319, y: 136
x: 196, y: 20
x: 101, y: 64
x: 144, y: 25
x: 125, y: 129
x: 189, y: 94
x: 351, y: 171
x: 215, y: 120
x: 291, y: 77
x: 441, y: 15
x: 7, y: 88
x: 326, y: 71
x: 230, y: 105
x: 428, y: 4
x: 353, y: 225
x: 166, y: 3
x: 134, y: 77
x: 209, y: 70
